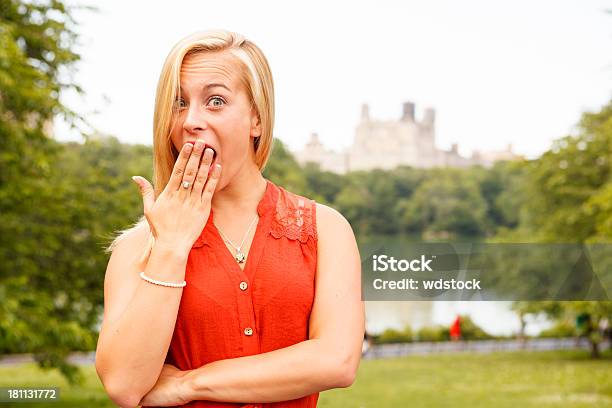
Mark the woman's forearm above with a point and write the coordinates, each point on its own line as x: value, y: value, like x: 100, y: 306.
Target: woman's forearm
x: 292, y: 372
x: 131, y: 349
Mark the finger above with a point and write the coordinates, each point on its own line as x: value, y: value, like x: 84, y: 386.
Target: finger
x: 202, y: 175
x: 192, y: 165
x: 147, y: 192
x: 211, y: 184
x: 179, y: 167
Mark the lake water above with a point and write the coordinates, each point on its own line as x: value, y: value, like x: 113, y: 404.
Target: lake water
x: 494, y: 317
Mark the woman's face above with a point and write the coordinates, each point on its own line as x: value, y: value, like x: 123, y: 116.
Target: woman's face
x: 215, y: 107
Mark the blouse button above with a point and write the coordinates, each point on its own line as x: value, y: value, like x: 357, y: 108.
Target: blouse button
x: 248, y: 331
x: 243, y: 285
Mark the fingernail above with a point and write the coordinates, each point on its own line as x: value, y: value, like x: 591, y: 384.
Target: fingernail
x: 136, y: 179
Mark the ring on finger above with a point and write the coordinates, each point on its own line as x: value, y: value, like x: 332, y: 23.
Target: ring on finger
x: 186, y: 184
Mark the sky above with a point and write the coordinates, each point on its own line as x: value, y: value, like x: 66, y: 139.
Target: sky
x: 519, y: 72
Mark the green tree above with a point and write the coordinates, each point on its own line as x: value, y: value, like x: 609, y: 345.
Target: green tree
x: 36, y: 57
x: 284, y: 170
x: 323, y: 186
x: 571, y: 182
x: 587, y: 317
x: 353, y: 202
x: 394, y: 336
x: 433, y: 333
x: 382, y: 210
x: 570, y: 196
x: 502, y: 187
x: 449, y: 201
x: 471, y: 331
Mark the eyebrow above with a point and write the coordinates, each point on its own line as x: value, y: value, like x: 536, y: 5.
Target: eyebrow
x: 210, y: 86
x: 214, y: 85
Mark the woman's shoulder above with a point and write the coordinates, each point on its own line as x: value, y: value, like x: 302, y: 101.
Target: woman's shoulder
x: 294, y: 216
x: 288, y: 198
x: 303, y: 217
x: 331, y: 221
x: 335, y: 234
x: 134, y: 242
x: 136, y: 234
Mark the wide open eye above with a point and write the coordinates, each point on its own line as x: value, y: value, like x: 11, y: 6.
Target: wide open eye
x: 218, y: 101
x: 179, y: 104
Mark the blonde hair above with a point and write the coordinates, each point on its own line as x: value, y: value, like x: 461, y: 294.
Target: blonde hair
x: 255, y: 76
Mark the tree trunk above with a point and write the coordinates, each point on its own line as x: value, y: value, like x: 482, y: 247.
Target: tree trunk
x: 594, y: 349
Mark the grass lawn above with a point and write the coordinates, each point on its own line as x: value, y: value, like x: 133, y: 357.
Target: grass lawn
x: 515, y: 379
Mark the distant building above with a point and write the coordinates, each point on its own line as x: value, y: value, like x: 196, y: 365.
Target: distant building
x: 327, y: 159
x: 490, y: 157
x: 391, y: 143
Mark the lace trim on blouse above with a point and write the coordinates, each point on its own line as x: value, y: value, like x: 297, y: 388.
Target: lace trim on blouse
x: 294, y: 218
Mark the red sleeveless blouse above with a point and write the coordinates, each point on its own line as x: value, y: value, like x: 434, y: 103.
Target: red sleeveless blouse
x: 226, y: 312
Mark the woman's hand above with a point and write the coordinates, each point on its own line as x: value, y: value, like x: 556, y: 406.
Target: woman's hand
x: 179, y: 214
x: 169, y: 390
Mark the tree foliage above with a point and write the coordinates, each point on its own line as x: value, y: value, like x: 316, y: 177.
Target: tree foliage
x: 570, y: 191
x: 36, y: 59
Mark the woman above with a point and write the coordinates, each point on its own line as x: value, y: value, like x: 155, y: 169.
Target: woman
x: 245, y: 294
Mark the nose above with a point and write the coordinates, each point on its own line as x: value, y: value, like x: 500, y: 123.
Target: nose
x: 195, y: 121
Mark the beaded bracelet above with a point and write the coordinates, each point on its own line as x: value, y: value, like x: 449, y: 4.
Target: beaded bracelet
x: 162, y: 283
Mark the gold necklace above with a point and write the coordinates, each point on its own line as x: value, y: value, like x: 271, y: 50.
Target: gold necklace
x: 239, y: 256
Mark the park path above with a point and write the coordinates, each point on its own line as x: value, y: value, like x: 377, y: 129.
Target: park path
x: 394, y: 350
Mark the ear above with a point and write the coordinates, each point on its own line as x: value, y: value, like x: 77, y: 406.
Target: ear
x: 255, y: 123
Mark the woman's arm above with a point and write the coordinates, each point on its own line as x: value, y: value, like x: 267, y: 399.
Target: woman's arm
x: 128, y: 358
x: 328, y: 359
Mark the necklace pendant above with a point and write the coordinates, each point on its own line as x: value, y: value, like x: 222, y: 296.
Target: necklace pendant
x: 240, y: 257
